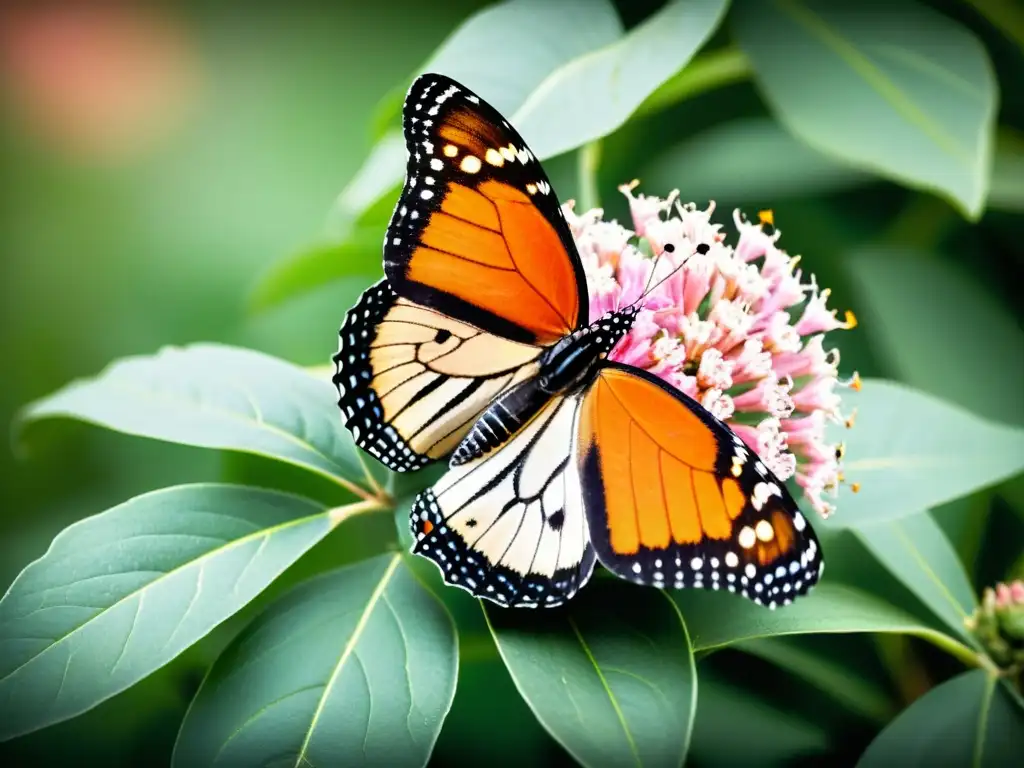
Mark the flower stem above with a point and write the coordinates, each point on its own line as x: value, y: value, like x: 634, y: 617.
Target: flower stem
x: 588, y: 159
x: 706, y: 72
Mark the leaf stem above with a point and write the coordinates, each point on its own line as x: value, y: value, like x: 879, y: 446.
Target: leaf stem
x: 378, y: 490
x: 588, y: 160
x: 704, y: 73
x: 958, y: 650
x: 338, y: 515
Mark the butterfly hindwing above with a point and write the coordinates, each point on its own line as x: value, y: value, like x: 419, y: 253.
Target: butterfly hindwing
x: 675, y: 499
x: 509, y: 526
x: 478, y: 233
x: 412, y: 381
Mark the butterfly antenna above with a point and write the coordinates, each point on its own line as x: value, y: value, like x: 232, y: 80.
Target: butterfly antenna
x: 669, y: 248
x: 654, y: 267
x: 702, y: 248
x: 666, y: 277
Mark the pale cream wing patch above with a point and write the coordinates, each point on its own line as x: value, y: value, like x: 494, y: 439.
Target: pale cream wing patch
x: 510, y: 526
x: 412, y: 381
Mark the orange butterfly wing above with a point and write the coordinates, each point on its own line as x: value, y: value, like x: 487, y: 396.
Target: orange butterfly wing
x: 478, y: 233
x: 674, y: 499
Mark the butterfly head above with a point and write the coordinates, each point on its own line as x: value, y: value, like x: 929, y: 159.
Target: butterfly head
x: 573, y: 360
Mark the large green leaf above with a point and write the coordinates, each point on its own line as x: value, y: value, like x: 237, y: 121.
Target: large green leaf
x: 910, y: 451
x: 590, y: 97
x: 611, y: 677
x: 355, y: 667
x: 358, y: 255
x: 734, y: 727
x: 970, y: 720
x: 918, y: 553
x: 352, y: 245
x: 969, y: 349
x: 505, y: 51
x: 748, y: 160
x: 895, y: 88
x: 717, y: 619
x: 365, y: 200
x: 216, y: 396
x: 120, y: 594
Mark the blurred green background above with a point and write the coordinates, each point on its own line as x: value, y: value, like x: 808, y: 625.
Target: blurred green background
x: 156, y: 161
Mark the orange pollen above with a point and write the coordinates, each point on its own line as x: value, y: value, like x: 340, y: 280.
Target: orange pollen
x: 851, y: 320
x: 427, y: 527
x: 851, y: 419
x: 855, y: 383
x: 855, y: 487
x: 767, y: 216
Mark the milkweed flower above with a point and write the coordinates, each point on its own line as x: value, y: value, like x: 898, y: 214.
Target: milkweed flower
x: 735, y: 326
x: 998, y: 623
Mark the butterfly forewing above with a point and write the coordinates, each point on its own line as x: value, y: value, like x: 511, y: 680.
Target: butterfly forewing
x: 478, y: 233
x: 675, y: 499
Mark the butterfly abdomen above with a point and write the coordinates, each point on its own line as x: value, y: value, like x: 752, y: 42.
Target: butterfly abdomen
x: 502, y: 419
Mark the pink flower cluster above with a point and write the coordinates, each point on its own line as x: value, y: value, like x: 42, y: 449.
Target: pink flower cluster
x: 734, y: 327
x: 1006, y: 595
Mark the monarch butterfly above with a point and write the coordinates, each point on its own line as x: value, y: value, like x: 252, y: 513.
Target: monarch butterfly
x: 477, y: 347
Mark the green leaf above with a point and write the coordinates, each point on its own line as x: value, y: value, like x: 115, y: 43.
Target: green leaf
x: 713, y: 69
x: 734, y: 727
x: 355, y: 667
x: 969, y: 720
x: 751, y: 159
x: 918, y: 553
x: 120, y: 594
x: 942, y: 356
x: 909, y: 452
x: 611, y: 677
x: 358, y: 254
x: 716, y: 620
x: 215, y: 396
x: 505, y: 51
x: 833, y: 677
x: 363, y: 200
x: 589, y: 97
x: 355, y: 232
x: 895, y: 88
x: 1007, y: 192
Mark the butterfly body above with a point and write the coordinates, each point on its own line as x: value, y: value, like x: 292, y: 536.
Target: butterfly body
x: 572, y: 362
x: 565, y: 368
x: 478, y: 349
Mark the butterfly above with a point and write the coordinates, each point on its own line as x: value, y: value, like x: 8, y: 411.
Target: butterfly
x: 478, y: 348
